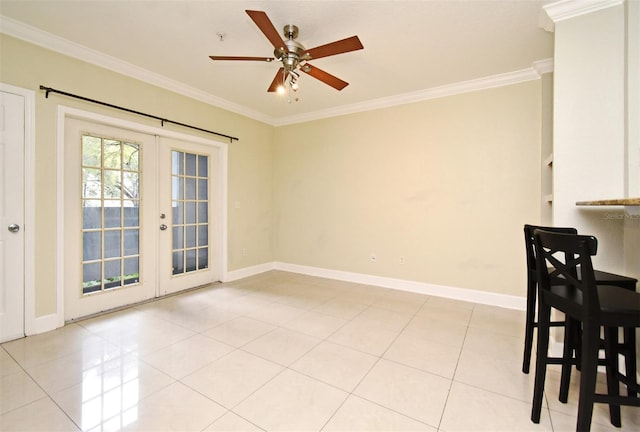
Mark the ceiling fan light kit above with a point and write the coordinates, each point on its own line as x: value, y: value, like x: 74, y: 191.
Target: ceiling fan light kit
x: 294, y: 57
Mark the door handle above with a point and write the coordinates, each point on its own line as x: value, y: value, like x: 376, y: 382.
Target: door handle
x: 14, y: 228
x: 163, y: 227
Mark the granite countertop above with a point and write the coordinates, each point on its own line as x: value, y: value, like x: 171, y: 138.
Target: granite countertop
x: 620, y: 201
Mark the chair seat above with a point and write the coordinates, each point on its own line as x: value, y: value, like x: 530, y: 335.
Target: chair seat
x: 620, y: 307
x: 604, y: 278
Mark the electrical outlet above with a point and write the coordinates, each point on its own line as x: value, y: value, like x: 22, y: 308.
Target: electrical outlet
x: 401, y: 259
x: 373, y: 257
x: 244, y: 252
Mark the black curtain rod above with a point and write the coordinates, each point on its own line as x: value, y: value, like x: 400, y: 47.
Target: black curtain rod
x: 162, y: 120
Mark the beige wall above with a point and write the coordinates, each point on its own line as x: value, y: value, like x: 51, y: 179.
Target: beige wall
x: 446, y: 183
x: 250, y: 159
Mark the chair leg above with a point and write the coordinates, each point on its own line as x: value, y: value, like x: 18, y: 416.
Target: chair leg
x: 529, y: 325
x: 630, y: 358
x: 570, y: 332
x: 544, y: 316
x: 613, y: 387
x: 589, y: 370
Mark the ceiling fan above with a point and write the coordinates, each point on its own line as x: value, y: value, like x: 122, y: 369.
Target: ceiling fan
x: 294, y: 56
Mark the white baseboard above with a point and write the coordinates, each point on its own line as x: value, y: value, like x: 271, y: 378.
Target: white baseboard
x: 233, y: 275
x: 474, y: 296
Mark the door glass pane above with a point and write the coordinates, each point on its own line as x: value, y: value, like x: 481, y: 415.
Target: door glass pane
x: 91, y: 277
x: 91, y: 183
x: 178, y: 237
x: 203, y: 166
x: 112, y: 183
x: 191, y: 260
x: 190, y: 164
x: 92, y: 214
x: 190, y: 224
x: 112, y: 244
x: 110, y: 202
x: 131, y: 213
x: 203, y: 212
x: 112, y: 274
x: 190, y: 236
x: 112, y: 213
x: 178, y: 262
x: 190, y: 212
x: 91, y: 151
x: 203, y: 235
x: 130, y: 184
x: 178, y: 212
x: 131, y: 242
x: 190, y: 189
x: 203, y: 190
x: 130, y: 157
x: 131, y: 270
x: 111, y: 151
x: 177, y: 163
x: 177, y: 188
x: 92, y: 245
x: 203, y: 258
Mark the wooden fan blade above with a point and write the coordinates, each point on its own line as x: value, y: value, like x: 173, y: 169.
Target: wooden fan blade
x: 338, y: 47
x: 266, y: 26
x: 325, y: 77
x: 266, y: 59
x: 278, y: 80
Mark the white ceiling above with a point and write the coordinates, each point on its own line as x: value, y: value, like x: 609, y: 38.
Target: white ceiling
x: 409, y: 46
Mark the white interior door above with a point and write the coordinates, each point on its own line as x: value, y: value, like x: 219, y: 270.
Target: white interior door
x: 139, y: 216
x: 12, y: 138
x: 189, y: 200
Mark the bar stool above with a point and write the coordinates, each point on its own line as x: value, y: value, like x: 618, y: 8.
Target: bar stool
x: 602, y: 278
x: 558, y: 258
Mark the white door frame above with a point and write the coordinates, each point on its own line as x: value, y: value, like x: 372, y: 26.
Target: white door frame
x: 65, y: 112
x: 30, y: 324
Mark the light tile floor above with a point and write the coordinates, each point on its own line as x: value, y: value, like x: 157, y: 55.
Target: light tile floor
x: 282, y: 351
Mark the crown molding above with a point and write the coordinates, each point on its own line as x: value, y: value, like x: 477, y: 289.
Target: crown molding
x: 566, y: 9
x: 55, y: 43
x: 533, y: 73
x: 49, y: 41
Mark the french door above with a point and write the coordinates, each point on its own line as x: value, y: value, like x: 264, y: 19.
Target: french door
x: 188, y: 199
x: 138, y: 216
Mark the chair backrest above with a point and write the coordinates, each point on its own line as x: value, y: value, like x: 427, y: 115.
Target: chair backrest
x: 529, y: 244
x: 558, y: 256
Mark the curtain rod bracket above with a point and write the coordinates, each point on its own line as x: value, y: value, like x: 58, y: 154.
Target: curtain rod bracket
x: 48, y: 90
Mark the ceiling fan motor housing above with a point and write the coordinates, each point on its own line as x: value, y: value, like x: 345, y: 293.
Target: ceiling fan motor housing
x: 293, y: 56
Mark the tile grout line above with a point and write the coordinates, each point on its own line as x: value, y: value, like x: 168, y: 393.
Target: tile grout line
x: 455, y: 369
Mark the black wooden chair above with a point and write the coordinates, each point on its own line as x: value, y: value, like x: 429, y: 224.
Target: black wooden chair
x: 602, y: 278
x: 591, y: 306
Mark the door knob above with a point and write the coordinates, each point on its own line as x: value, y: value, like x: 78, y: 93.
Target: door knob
x: 14, y: 228
x: 163, y: 227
